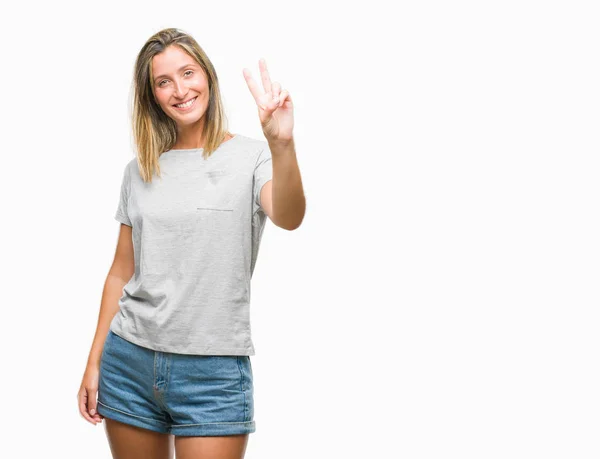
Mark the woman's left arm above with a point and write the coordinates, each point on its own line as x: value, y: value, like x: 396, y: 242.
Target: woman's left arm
x: 282, y: 198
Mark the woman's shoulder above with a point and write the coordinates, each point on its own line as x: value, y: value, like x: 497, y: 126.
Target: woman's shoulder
x: 249, y: 143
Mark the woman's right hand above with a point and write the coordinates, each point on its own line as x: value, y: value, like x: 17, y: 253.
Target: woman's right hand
x: 86, y: 398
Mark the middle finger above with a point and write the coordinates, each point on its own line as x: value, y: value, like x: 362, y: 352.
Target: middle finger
x: 276, y: 89
x: 264, y: 75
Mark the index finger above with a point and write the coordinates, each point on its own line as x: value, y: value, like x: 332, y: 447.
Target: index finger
x: 254, y: 89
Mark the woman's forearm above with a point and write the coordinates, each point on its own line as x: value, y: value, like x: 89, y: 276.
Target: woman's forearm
x: 112, y: 292
x: 289, y: 203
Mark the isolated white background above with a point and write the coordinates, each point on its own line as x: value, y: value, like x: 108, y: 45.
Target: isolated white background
x: 441, y: 296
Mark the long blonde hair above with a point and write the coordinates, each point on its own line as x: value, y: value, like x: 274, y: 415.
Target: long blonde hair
x: 154, y: 132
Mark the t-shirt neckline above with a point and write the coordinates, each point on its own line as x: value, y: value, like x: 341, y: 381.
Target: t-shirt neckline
x: 191, y: 150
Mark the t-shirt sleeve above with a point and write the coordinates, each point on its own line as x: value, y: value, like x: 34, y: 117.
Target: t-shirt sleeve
x: 122, y: 209
x: 263, y: 172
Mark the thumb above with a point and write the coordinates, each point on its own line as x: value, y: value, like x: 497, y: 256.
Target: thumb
x: 92, y: 404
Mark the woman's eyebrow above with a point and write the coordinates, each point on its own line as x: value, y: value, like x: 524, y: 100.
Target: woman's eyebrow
x: 179, y: 70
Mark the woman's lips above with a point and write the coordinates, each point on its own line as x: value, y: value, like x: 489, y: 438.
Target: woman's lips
x: 184, y: 109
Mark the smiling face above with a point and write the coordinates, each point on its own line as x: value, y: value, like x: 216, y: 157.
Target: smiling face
x: 178, y: 79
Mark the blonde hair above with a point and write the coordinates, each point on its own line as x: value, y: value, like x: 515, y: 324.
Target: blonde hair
x: 154, y: 132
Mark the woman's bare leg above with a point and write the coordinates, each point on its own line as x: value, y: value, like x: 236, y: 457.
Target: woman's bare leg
x: 132, y: 442
x: 227, y: 447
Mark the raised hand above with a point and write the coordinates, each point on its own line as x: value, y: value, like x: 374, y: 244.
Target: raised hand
x: 275, y: 108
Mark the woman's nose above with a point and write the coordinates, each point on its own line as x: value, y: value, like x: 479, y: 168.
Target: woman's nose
x: 180, y: 89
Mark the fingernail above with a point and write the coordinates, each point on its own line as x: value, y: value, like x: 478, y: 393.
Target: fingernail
x: 92, y: 411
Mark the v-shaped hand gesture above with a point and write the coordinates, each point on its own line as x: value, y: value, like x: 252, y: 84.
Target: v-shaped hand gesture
x: 275, y: 108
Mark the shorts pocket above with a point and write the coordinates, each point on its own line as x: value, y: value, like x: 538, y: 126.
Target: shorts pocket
x: 108, y: 340
x: 247, y: 386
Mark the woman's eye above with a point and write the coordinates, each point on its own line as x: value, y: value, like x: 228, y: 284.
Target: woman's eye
x: 161, y: 83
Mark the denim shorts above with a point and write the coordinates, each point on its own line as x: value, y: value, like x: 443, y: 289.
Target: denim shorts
x: 181, y: 394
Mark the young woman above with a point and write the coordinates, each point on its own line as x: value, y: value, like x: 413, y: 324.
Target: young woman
x: 170, y: 361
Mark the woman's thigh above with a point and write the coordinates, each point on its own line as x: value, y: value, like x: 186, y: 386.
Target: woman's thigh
x: 225, y: 447
x: 132, y: 442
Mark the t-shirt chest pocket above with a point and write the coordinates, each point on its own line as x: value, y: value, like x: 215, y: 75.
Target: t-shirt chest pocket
x: 218, y: 192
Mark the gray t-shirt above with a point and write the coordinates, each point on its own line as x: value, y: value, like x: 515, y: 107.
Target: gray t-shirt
x: 196, y: 233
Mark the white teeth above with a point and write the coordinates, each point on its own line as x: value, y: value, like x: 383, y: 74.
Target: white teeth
x: 187, y: 104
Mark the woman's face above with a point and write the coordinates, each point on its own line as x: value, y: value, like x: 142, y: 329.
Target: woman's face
x: 178, y: 78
